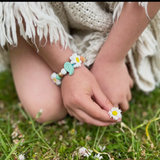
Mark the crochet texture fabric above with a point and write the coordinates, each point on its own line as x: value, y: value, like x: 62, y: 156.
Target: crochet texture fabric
x: 84, y: 27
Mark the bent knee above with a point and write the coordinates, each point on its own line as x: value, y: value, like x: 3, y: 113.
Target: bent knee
x: 51, y: 111
x: 53, y: 117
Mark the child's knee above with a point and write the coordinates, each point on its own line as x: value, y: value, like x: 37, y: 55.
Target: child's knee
x: 49, y: 115
x: 52, y: 110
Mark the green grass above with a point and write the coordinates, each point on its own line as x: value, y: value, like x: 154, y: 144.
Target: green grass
x: 127, y: 140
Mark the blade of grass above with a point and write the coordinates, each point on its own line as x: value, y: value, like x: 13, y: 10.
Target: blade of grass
x: 33, y: 126
x: 5, y: 138
x: 4, y: 152
x: 96, y: 137
x: 8, y: 125
x: 147, y: 133
x: 104, y: 129
x: 13, y: 149
x: 22, y: 111
x: 3, y: 143
x: 3, y: 157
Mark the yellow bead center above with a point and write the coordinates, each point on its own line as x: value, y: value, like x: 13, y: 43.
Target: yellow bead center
x: 54, y: 79
x: 77, y: 59
x: 114, y: 113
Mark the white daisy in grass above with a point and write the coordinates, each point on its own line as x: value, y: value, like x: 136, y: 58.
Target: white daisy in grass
x: 55, y: 80
x: 75, y: 59
x: 85, y: 152
x: 98, y: 157
x: 115, y: 113
x: 14, y: 134
x: 21, y: 157
x: 102, y: 148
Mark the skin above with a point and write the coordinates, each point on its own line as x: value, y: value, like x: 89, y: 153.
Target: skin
x: 34, y: 87
x: 82, y: 94
x: 116, y: 85
x: 37, y: 91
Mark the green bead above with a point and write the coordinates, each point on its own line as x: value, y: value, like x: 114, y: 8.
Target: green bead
x: 58, y: 77
x: 69, y: 68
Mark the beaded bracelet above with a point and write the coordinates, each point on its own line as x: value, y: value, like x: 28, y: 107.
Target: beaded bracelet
x: 68, y: 67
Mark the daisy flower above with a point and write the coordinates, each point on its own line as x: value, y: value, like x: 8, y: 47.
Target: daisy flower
x: 60, y: 122
x: 15, y: 141
x: 21, y: 157
x: 102, y: 148
x: 14, y: 134
x: 84, y: 152
x: 115, y: 113
x: 54, y: 78
x: 98, y: 156
x: 75, y: 59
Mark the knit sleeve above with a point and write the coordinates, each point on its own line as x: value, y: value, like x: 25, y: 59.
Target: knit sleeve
x: 38, y: 18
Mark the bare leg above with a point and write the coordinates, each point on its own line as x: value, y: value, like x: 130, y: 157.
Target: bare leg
x: 33, y: 83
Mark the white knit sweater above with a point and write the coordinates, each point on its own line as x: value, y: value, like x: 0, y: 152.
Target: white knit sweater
x: 83, y: 26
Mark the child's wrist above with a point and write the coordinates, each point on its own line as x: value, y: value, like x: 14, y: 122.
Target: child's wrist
x: 61, y: 58
x: 105, y: 60
x: 68, y: 67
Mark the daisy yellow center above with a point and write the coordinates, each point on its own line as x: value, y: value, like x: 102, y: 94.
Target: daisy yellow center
x: 54, y: 79
x: 114, y: 113
x: 77, y: 59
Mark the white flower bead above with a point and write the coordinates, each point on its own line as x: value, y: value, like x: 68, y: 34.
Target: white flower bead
x: 75, y: 59
x: 55, y: 80
x: 63, y: 71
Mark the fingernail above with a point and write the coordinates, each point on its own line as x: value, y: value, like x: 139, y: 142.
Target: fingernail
x: 112, y: 124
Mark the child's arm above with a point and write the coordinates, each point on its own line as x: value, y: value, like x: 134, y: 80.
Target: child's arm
x: 81, y: 94
x: 109, y: 68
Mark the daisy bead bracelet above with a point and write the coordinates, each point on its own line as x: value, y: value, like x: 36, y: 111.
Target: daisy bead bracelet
x: 68, y: 67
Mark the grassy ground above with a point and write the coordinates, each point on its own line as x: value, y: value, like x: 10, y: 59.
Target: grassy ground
x: 137, y: 137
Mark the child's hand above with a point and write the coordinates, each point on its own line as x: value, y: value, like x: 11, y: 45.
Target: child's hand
x: 84, y: 99
x: 114, y: 81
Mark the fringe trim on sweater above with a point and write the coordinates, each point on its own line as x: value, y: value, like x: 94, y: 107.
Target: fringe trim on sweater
x: 38, y: 17
x: 119, y: 7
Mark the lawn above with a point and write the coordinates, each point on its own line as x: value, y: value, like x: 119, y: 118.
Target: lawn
x: 136, y: 137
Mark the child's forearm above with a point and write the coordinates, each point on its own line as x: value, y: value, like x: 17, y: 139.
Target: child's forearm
x: 54, y: 56
x: 81, y: 85
x: 126, y: 30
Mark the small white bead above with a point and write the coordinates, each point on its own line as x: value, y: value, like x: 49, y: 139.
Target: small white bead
x: 63, y: 71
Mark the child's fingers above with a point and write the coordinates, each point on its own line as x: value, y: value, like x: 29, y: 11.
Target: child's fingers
x: 116, y: 105
x: 83, y: 117
x: 129, y: 96
x: 131, y: 83
x: 93, y: 109
x: 101, y: 99
x: 124, y: 105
